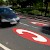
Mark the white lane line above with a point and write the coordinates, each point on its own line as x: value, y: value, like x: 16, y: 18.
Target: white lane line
x: 4, y: 47
x: 24, y: 24
x: 28, y: 25
x: 31, y: 26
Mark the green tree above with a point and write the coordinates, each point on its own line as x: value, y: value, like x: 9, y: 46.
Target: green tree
x: 23, y: 3
x: 12, y: 2
x: 1, y: 2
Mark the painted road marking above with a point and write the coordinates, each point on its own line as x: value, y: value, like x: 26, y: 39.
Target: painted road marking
x: 39, y: 24
x: 4, y: 47
x: 32, y: 26
x: 27, y: 25
x: 24, y: 24
x: 32, y: 36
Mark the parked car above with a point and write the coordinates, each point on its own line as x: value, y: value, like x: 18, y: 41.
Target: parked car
x: 7, y: 15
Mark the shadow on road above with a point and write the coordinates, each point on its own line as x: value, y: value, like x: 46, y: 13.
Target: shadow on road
x: 46, y: 30
x: 6, y: 25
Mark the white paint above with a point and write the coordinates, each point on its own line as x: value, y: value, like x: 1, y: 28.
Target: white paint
x: 4, y: 47
x: 31, y: 26
x: 39, y: 23
x: 38, y: 38
x: 28, y: 25
x: 20, y: 22
x: 33, y: 22
x: 24, y: 24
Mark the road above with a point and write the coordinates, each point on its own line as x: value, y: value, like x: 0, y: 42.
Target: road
x: 9, y: 40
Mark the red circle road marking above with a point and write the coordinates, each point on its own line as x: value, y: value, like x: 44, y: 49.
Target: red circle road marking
x: 39, y: 24
x: 32, y: 36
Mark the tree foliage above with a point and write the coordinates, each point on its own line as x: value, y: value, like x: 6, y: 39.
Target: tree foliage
x: 1, y: 2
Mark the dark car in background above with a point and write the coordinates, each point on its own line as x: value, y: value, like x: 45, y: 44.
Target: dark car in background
x: 7, y: 15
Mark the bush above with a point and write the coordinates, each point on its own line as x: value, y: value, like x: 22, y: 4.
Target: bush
x: 36, y: 12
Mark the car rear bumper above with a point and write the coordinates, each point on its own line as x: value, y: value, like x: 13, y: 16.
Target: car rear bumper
x: 11, y: 21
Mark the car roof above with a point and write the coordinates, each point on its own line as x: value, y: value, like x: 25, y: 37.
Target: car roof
x: 5, y: 6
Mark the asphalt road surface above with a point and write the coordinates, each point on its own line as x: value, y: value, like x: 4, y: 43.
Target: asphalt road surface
x: 9, y: 40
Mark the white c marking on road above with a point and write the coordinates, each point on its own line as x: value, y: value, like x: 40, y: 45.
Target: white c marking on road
x: 38, y: 38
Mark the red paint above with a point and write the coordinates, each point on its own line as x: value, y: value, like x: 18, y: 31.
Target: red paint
x: 32, y: 36
x: 39, y: 24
